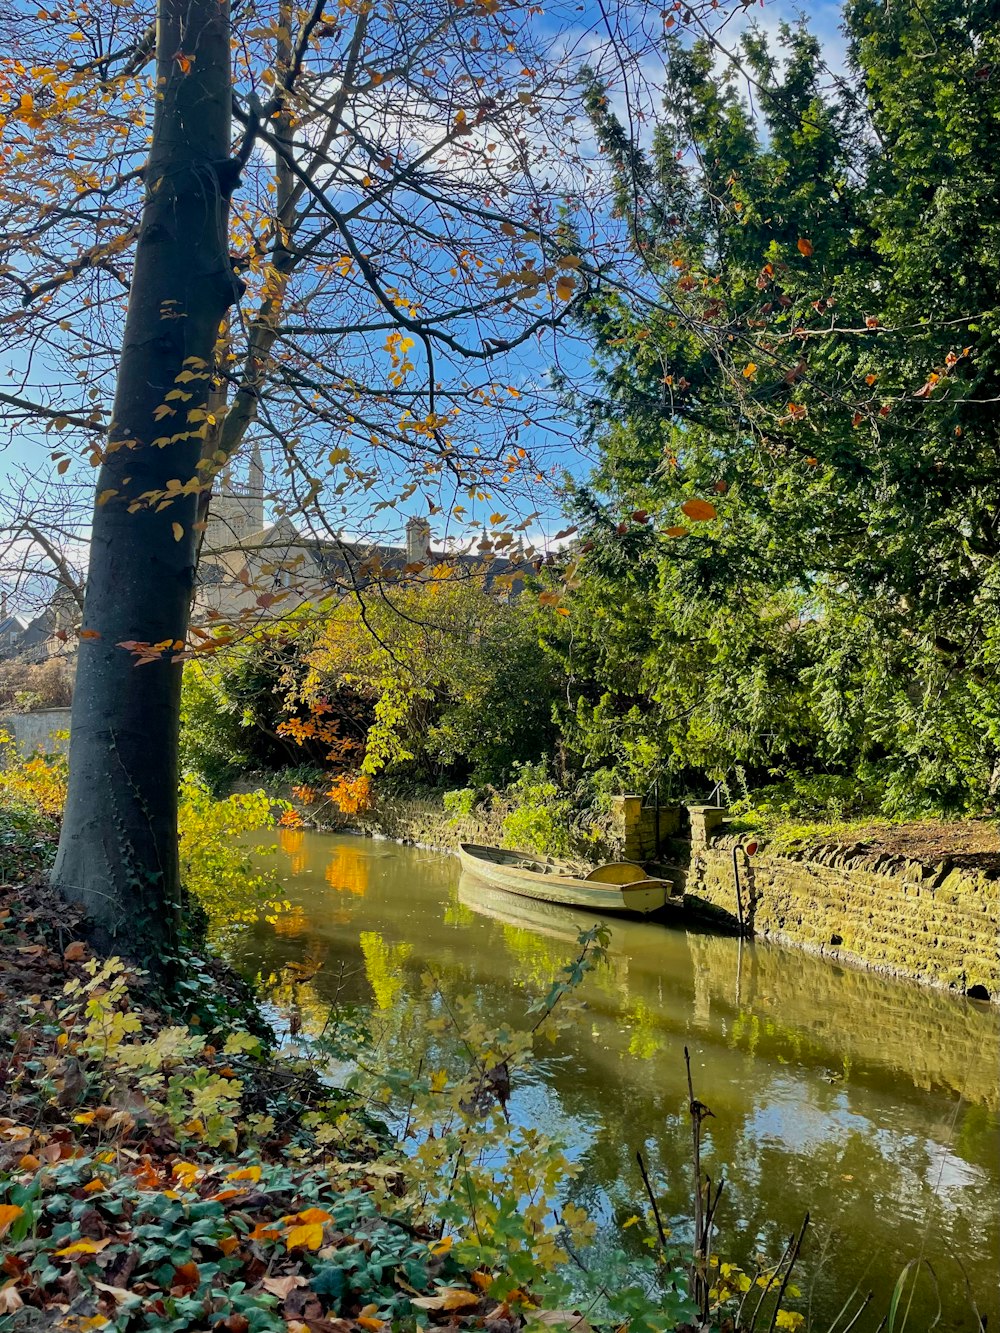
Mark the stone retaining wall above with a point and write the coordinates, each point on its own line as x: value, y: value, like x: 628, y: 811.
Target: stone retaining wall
x: 936, y: 924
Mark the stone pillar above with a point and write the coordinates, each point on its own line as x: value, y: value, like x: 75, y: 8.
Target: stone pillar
x: 628, y: 821
x: 705, y: 819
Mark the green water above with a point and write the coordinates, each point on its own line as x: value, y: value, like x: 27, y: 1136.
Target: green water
x: 871, y: 1102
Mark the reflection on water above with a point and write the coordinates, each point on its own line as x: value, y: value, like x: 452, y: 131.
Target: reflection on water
x: 872, y: 1102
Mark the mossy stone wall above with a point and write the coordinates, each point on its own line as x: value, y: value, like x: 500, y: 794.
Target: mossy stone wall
x: 936, y: 924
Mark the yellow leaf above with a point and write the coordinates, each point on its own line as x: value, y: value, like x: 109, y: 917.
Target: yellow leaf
x: 82, y: 1247
x: 9, y: 1213
x: 564, y: 287
x: 178, y: 531
x: 163, y: 411
x: 441, y: 1246
x: 447, y: 1298
x: 309, y: 1236
x: 186, y: 1172
x: 246, y: 1173
x: 749, y: 370
x: 314, y: 1215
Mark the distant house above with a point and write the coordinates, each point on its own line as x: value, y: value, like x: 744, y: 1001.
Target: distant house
x: 24, y: 636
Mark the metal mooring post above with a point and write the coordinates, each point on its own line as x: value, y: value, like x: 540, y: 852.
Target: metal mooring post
x: 739, y: 894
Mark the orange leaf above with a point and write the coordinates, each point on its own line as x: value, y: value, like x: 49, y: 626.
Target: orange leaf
x: 94, y: 1186
x: 676, y: 532
x: 805, y: 247
x: 749, y: 370
x: 264, y: 1231
x: 699, y: 511
x: 29, y: 1162
x: 75, y: 952
x: 227, y: 1244
x: 9, y: 1213
x: 314, y: 1215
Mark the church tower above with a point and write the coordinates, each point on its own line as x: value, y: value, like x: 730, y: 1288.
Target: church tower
x: 236, y: 511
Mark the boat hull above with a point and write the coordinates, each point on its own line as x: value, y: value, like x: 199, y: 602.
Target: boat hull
x: 523, y: 874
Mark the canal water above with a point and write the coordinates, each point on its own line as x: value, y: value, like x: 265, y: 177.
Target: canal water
x: 874, y: 1103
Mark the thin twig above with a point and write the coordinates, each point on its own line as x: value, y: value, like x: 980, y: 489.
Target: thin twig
x: 652, y: 1198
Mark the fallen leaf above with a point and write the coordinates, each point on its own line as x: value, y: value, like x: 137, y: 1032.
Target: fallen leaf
x: 281, y: 1286
x: 83, y: 1247
x: 75, y: 952
x: 447, y: 1298
x: 313, y: 1215
x: 9, y: 1299
x: 121, y: 1295
x: 245, y: 1173
x: 572, y: 1320
x: 9, y: 1213
x: 309, y: 1236
x: 264, y: 1231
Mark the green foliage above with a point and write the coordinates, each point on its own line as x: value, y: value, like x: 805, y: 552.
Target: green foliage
x: 459, y: 803
x: 541, y: 817
x: 815, y: 355
x: 219, y: 870
x: 233, y: 704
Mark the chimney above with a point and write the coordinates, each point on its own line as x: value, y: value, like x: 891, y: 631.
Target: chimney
x: 418, y: 541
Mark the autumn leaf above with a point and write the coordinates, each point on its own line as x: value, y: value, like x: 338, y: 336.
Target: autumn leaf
x: 245, y: 1173
x: 281, y: 1286
x: 82, y: 1247
x: 805, y: 246
x: 308, y: 1236
x: 676, y: 531
x: 749, y: 370
x: 313, y: 1215
x: 9, y: 1213
x: 699, y: 511
x: 75, y: 952
x: 178, y: 530
x: 264, y: 1231
x: 448, y: 1298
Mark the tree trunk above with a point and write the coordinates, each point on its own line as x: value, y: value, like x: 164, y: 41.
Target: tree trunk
x: 118, y: 850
